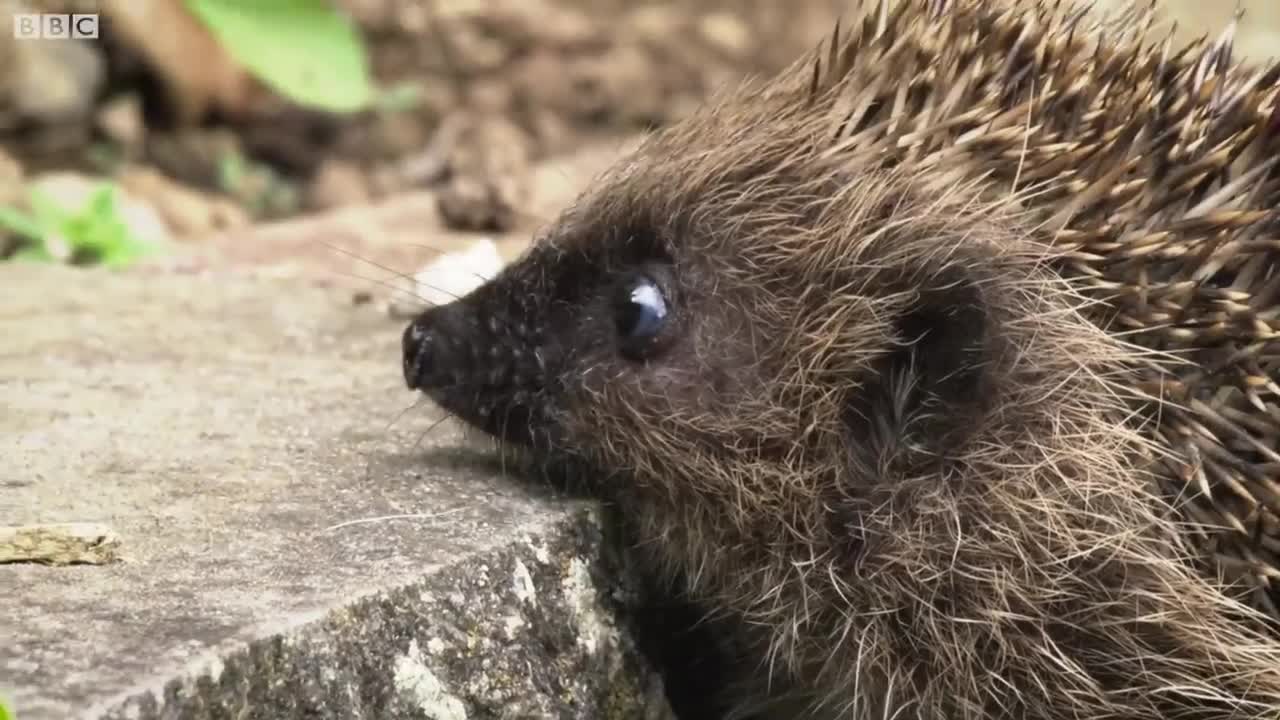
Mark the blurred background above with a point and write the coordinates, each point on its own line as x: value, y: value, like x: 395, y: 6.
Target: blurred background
x: 189, y: 117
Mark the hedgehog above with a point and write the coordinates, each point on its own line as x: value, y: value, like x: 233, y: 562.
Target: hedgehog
x: 939, y: 369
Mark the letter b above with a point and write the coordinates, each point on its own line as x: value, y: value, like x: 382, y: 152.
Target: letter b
x: 57, y: 26
x: 26, y: 26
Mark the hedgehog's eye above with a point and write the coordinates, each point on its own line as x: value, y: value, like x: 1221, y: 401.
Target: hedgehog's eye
x: 640, y: 313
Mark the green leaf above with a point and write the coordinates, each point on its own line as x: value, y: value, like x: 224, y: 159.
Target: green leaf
x: 121, y: 247
x: 102, y: 204
x: 5, y: 713
x: 102, y: 234
x: 20, y: 223
x: 33, y: 253
x: 303, y: 49
x: 47, y: 208
x: 97, y: 232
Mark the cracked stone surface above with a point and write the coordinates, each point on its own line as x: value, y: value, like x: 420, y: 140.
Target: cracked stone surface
x: 300, y: 539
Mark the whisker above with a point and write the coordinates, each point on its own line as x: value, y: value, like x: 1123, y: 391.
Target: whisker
x: 413, y: 406
x: 479, y: 276
x: 393, y: 271
x: 502, y: 446
x: 368, y: 464
x: 448, y: 416
x: 365, y: 260
x: 387, y: 284
x: 432, y: 248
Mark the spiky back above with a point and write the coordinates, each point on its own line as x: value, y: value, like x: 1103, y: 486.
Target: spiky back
x: 1153, y: 167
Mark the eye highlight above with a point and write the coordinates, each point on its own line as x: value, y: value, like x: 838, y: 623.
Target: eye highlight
x: 641, y: 313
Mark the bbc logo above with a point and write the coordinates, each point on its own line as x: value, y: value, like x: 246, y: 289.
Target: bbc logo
x: 31, y: 26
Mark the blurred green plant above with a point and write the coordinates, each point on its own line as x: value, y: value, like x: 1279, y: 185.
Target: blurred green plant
x: 307, y: 50
x: 257, y: 187
x: 5, y: 714
x: 96, y: 233
x: 401, y: 97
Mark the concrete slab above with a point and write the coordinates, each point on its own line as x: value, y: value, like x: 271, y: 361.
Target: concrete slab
x: 242, y: 433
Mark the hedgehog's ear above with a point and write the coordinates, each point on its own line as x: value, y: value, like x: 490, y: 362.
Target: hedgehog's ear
x: 933, y: 387
x: 946, y: 337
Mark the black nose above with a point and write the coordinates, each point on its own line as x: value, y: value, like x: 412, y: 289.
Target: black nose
x: 415, y: 345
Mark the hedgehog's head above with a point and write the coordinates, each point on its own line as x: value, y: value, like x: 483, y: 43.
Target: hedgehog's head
x: 734, y: 303
x: 810, y: 377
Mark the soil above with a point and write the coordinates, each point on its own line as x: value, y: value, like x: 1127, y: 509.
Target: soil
x: 475, y: 93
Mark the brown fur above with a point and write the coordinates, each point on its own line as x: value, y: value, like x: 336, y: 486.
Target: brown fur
x: 888, y: 434
x: 1152, y: 168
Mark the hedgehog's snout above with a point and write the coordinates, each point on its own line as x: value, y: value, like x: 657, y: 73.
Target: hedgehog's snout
x: 415, y: 348
x: 433, y: 350
x: 460, y: 347
x: 479, y: 365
